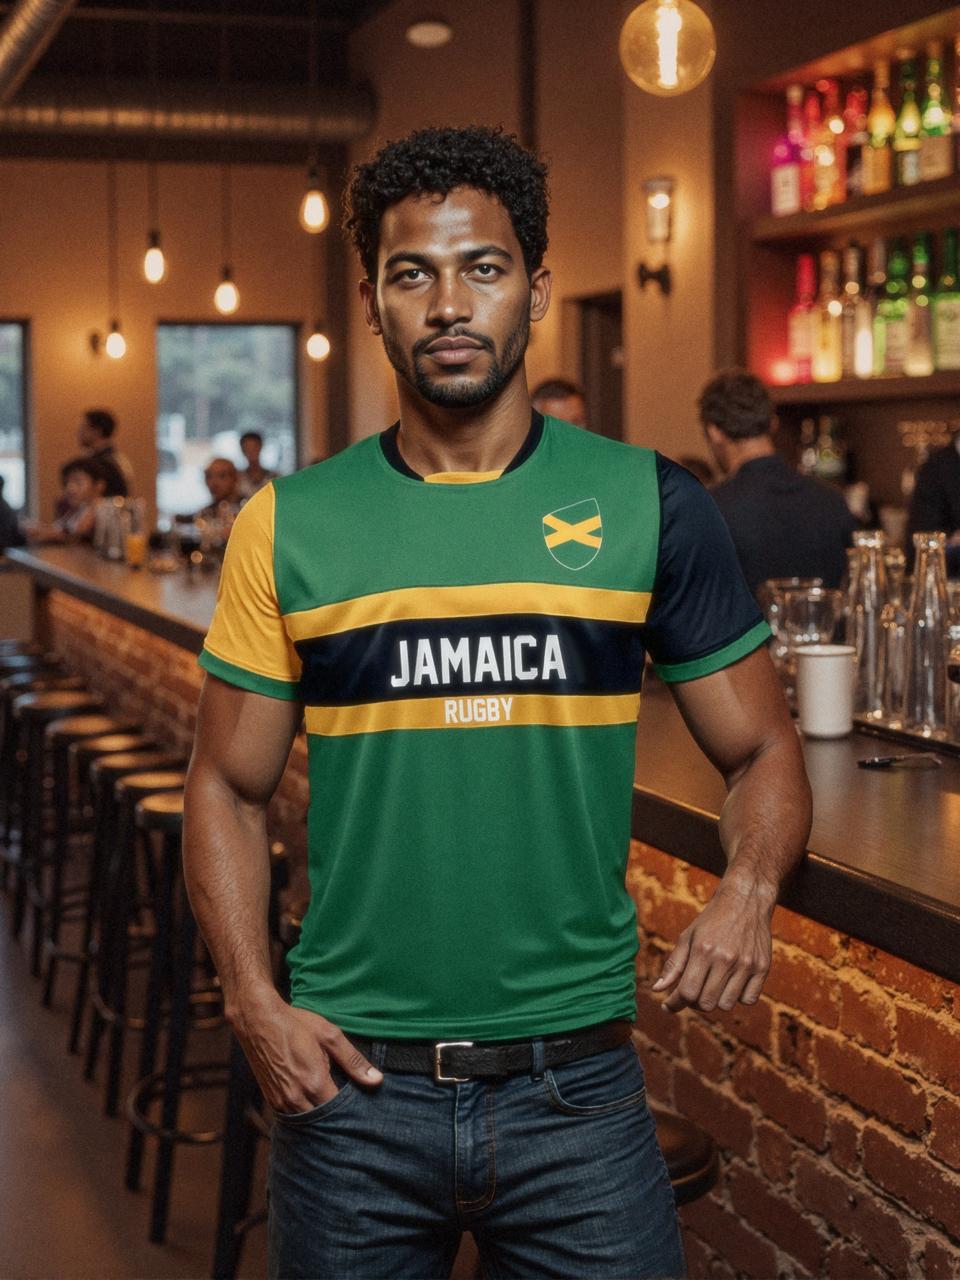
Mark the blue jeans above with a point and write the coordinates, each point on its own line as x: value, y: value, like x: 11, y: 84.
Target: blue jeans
x: 555, y: 1172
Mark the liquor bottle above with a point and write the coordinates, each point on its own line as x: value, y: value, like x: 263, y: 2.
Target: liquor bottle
x: 787, y: 156
x: 956, y: 99
x: 855, y: 138
x: 827, y: 365
x: 808, y: 447
x: 831, y: 451
x: 946, y: 308
x: 881, y: 122
x: 800, y: 320
x: 828, y: 149
x: 811, y: 131
x: 919, y: 359
x: 856, y: 321
x: 890, y: 327
x: 906, y: 135
x: 936, y: 144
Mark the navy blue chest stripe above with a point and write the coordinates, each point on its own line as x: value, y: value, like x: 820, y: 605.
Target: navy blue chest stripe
x: 501, y: 653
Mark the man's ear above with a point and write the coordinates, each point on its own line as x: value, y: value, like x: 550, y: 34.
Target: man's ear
x: 541, y: 282
x: 371, y: 313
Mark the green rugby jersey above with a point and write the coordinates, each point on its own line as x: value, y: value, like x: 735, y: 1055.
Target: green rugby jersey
x: 469, y: 657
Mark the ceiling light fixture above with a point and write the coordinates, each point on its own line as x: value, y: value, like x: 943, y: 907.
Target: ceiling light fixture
x: 429, y: 33
x: 667, y: 47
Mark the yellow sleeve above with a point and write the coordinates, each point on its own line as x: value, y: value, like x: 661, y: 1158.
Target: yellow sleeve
x: 247, y: 644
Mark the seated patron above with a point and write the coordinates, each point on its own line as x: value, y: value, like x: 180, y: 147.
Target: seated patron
x: 783, y: 524
x: 96, y: 435
x: 223, y: 481
x: 560, y: 398
x: 83, y: 482
x: 253, y: 476
x: 935, y: 505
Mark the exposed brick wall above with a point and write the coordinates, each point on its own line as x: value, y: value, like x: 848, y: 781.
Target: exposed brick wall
x: 158, y: 682
x: 832, y: 1099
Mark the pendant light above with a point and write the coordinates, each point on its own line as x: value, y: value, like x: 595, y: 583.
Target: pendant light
x: 667, y: 47
x: 226, y: 299
x: 318, y: 344
x: 115, y: 346
x: 154, y: 262
x: 314, y: 210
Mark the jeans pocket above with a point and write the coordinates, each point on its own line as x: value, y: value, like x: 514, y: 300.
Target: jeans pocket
x: 594, y: 1086
x: 318, y: 1112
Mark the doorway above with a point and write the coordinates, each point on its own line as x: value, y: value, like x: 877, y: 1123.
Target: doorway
x: 601, y: 361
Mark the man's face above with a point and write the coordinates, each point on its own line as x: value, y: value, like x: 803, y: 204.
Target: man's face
x: 79, y: 489
x: 87, y: 436
x: 452, y: 299
x: 569, y: 408
x: 250, y: 448
x: 221, y: 478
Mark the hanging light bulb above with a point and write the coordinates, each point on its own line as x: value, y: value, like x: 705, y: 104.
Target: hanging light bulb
x: 116, y: 345
x: 227, y: 296
x: 154, y: 263
x: 667, y: 46
x: 318, y: 344
x: 314, y: 211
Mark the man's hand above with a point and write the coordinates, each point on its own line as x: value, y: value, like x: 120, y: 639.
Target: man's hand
x: 289, y: 1052
x: 723, y: 957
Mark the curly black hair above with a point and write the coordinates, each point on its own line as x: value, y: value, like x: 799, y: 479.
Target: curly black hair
x: 438, y: 160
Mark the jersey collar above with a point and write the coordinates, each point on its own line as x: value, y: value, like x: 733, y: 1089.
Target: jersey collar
x: 391, y: 450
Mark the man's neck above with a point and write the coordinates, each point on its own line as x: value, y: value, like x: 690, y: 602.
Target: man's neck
x: 432, y: 439
x: 742, y: 451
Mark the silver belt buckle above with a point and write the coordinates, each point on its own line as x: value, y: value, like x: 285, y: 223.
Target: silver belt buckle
x: 437, y: 1066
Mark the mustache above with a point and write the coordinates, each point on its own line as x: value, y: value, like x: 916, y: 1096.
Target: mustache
x: 420, y: 346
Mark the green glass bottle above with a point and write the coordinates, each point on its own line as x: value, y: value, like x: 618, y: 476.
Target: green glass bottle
x: 936, y: 143
x: 906, y: 135
x: 890, y: 327
x: 919, y: 358
x: 946, y: 308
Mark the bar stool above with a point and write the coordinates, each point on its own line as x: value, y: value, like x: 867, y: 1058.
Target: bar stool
x: 68, y: 819
x: 119, y: 903
x: 9, y: 647
x: 32, y: 712
x: 244, y: 1126
x: 97, y: 771
x: 171, y: 980
x: 13, y: 663
x: 690, y: 1153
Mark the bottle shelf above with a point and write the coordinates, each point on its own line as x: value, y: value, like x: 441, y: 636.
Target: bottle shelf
x: 862, y: 390
x: 918, y: 207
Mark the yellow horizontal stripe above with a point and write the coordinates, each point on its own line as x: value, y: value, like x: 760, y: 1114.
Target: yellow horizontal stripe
x: 462, y: 477
x: 407, y: 603
x: 448, y: 713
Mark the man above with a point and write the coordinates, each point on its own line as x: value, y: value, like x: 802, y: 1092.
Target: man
x: 559, y: 398
x: 95, y: 434
x: 783, y: 524
x: 83, y: 483
x: 462, y: 606
x: 935, y: 504
x: 253, y: 476
x: 223, y: 481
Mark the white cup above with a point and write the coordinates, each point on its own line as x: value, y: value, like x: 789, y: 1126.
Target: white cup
x: 825, y: 680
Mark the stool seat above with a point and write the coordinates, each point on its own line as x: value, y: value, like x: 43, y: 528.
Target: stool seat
x: 120, y: 763
x: 12, y: 663
x: 137, y: 786
x: 87, y: 749
x: 40, y: 708
x: 73, y: 728
x: 162, y: 811
x: 8, y: 647
x: 690, y: 1153
x: 42, y: 678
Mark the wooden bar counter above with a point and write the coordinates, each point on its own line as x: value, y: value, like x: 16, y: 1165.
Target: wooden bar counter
x: 834, y: 1098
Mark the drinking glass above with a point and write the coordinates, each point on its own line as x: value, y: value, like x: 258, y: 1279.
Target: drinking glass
x: 771, y: 598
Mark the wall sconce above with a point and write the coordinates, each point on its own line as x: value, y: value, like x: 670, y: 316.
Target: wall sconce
x: 658, y: 211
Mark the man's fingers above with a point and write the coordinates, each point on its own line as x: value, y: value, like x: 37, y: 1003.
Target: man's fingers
x: 674, y: 965
x: 751, y: 992
x: 350, y: 1058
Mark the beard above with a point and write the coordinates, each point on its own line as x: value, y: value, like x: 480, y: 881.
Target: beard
x: 453, y: 390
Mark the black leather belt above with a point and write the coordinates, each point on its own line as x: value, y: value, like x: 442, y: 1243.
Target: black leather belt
x: 455, y: 1061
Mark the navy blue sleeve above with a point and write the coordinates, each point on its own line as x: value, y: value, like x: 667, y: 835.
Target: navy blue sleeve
x: 702, y: 615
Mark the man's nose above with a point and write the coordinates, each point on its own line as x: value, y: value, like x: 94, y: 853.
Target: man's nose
x: 449, y: 301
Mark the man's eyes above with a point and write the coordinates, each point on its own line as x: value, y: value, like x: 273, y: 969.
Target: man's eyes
x: 481, y: 270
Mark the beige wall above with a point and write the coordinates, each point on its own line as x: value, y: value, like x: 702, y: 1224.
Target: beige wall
x: 475, y: 79
x: 53, y: 273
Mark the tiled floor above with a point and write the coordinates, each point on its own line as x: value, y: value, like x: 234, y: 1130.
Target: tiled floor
x: 64, y: 1211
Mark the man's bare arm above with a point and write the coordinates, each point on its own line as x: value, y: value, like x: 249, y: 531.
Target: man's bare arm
x: 240, y: 751
x: 740, y: 720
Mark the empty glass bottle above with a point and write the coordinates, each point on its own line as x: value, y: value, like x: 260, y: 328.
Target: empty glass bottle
x: 867, y: 596
x: 893, y: 637
x: 925, y: 692
x: 953, y: 683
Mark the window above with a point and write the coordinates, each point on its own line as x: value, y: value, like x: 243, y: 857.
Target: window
x: 13, y: 397
x: 214, y: 382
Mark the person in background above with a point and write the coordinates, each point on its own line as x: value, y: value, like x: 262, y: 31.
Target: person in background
x: 223, y: 481
x: 698, y: 467
x: 783, y: 524
x: 95, y: 435
x: 560, y: 398
x: 253, y: 476
x: 10, y: 532
x: 935, y: 504
x: 83, y: 482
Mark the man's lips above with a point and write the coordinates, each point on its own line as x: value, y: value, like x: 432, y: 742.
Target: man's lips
x: 453, y: 351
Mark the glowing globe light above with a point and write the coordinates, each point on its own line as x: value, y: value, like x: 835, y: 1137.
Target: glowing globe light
x: 154, y: 263
x: 667, y: 47
x: 227, y: 297
x: 314, y: 210
x: 115, y: 346
x: 318, y: 346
